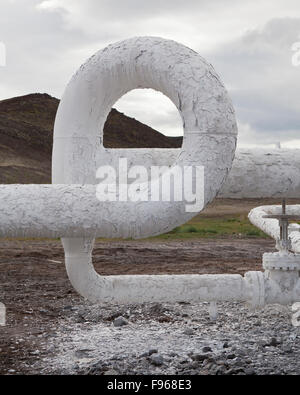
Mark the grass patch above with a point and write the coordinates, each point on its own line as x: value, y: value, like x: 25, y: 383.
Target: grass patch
x: 201, y: 227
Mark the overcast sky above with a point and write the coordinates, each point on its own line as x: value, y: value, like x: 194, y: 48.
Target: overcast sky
x: 248, y: 42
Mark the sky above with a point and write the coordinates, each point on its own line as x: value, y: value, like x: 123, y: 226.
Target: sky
x: 253, y: 45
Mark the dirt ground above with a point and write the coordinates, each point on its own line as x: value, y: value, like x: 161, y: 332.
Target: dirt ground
x: 37, y: 293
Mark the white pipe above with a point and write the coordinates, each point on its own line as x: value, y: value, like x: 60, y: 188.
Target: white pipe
x: 66, y: 211
x: 74, y: 211
x: 124, y: 289
x: 255, y: 288
x: 145, y: 288
x: 271, y: 226
x: 255, y: 173
x: 263, y: 173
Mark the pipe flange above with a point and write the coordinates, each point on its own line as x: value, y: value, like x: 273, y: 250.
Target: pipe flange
x: 281, y: 261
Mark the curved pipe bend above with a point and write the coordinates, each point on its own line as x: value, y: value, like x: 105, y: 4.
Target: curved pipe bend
x: 256, y: 288
x: 210, y: 132
x: 145, y: 288
x: 271, y: 226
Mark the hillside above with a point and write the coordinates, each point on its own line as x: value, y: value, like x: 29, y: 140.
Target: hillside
x: 26, y: 136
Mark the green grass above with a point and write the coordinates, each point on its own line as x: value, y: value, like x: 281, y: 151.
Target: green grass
x: 215, y: 227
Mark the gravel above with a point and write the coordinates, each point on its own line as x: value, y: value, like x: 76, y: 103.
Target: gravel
x: 189, y: 332
x: 157, y: 360
x: 173, y: 339
x: 120, y: 321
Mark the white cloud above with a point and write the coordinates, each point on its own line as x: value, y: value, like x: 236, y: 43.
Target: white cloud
x: 249, y: 43
x: 48, y: 5
x: 263, y: 82
x: 142, y: 104
x: 251, y: 138
x: 200, y: 24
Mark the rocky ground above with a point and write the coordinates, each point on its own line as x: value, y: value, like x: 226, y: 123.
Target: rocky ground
x: 173, y: 339
x: 161, y: 339
x: 51, y: 330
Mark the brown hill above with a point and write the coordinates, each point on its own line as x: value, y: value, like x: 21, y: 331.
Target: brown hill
x: 26, y: 136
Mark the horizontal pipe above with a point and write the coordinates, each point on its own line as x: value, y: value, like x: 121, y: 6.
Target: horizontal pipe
x: 145, y: 288
x: 256, y: 288
x: 271, y: 226
x: 54, y: 211
x: 255, y: 173
x: 153, y: 288
x: 263, y: 173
